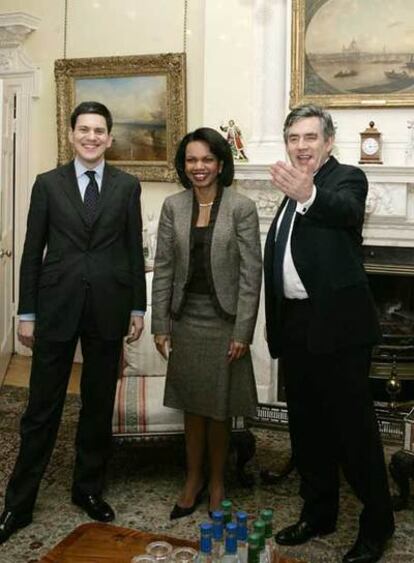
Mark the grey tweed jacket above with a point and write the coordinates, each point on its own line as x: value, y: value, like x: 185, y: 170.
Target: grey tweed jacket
x: 235, y: 258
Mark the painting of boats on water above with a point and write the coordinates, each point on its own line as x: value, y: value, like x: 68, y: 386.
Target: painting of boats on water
x: 139, y: 109
x: 352, y: 52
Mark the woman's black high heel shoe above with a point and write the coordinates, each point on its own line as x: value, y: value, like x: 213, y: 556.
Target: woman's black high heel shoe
x: 181, y: 511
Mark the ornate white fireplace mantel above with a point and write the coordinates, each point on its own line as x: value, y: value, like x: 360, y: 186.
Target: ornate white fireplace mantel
x: 390, y: 203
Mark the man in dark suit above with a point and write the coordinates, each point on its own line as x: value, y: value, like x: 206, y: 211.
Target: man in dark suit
x: 89, y: 283
x: 321, y: 324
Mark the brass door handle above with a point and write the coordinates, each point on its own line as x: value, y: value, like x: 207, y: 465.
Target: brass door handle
x: 4, y: 253
x: 8, y: 253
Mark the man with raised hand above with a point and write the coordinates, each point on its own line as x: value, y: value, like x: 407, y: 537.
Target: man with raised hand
x: 321, y: 324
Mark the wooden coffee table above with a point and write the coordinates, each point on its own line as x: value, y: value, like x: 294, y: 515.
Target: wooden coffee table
x: 95, y: 543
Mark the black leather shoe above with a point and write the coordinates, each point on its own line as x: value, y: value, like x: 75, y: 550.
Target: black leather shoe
x: 364, y: 552
x: 301, y: 532
x: 181, y: 511
x: 94, y: 506
x: 10, y: 522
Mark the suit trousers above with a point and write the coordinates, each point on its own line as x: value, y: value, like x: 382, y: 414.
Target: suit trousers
x: 51, y: 368
x: 333, y: 425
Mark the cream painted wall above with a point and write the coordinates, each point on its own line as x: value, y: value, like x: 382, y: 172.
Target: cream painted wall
x: 105, y: 28
x: 221, y: 67
x: 228, y: 63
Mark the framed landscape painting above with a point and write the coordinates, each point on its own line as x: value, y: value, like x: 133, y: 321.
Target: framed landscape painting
x: 353, y: 53
x: 146, y: 96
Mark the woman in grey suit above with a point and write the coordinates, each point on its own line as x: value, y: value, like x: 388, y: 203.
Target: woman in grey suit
x: 206, y: 288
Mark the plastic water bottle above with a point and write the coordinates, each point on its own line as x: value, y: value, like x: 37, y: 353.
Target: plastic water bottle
x: 241, y: 519
x: 206, y: 532
x: 259, y: 528
x: 267, y: 516
x: 230, y: 550
x: 218, y: 535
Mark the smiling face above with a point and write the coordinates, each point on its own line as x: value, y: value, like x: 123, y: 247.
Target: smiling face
x: 201, y: 166
x: 306, y: 144
x: 90, y: 138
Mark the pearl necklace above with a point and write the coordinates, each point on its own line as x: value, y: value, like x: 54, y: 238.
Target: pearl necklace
x: 206, y: 204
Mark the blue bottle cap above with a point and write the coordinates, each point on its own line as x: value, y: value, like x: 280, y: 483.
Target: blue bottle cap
x: 218, y: 527
x: 231, y: 527
x: 217, y: 515
x: 205, y: 539
x: 241, y: 526
x: 241, y: 516
x: 231, y: 539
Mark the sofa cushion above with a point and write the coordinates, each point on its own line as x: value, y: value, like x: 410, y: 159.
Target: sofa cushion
x: 142, y: 358
x: 139, y: 408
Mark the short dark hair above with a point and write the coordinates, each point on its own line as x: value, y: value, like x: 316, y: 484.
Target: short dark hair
x: 310, y: 110
x: 217, y: 145
x: 91, y: 107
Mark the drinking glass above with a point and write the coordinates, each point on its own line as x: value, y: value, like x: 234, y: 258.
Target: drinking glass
x: 143, y: 558
x: 184, y: 555
x: 160, y: 551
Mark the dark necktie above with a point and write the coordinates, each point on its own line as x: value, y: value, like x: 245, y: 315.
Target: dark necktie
x: 91, y: 196
x: 280, y: 246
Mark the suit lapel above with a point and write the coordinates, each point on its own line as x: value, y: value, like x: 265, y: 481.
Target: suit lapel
x: 325, y: 170
x: 107, y: 189
x: 183, y: 212
x: 224, y: 203
x: 71, y: 189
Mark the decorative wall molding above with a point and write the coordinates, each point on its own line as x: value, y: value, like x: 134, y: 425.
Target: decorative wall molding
x: 389, y: 209
x: 15, y: 27
x: 375, y: 172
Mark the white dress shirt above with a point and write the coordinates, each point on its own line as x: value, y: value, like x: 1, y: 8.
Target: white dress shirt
x: 83, y: 179
x: 293, y: 287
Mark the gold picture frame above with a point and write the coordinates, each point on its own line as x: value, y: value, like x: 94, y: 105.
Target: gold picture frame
x: 146, y: 96
x: 352, y: 54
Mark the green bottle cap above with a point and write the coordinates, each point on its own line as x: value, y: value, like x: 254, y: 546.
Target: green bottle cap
x: 259, y: 527
x: 253, y: 540
x: 226, y: 506
x: 267, y: 516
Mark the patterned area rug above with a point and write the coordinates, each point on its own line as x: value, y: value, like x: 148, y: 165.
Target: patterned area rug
x: 143, y: 483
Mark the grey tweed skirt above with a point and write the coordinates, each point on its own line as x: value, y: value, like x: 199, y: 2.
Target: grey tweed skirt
x: 200, y: 380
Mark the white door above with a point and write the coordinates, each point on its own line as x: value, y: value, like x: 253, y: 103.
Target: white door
x: 7, y: 114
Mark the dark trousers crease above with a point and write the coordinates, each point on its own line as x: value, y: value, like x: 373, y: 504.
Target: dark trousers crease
x: 333, y: 425
x: 51, y: 368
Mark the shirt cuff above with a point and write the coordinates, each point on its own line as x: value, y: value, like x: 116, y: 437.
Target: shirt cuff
x: 302, y: 208
x: 27, y: 317
x: 137, y: 313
